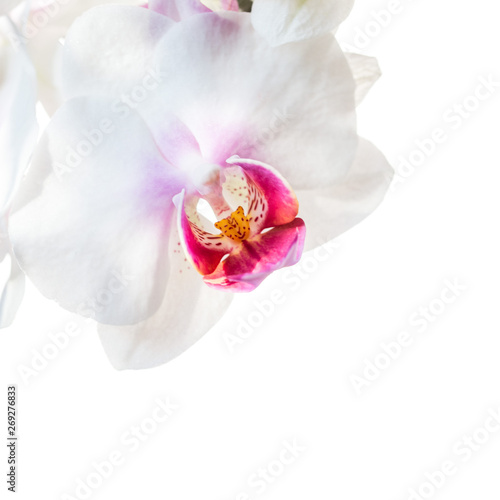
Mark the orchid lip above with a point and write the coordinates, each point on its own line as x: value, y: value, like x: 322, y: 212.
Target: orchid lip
x: 255, y: 230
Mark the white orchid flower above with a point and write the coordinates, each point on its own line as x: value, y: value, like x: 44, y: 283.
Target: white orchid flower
x: 18, y: 131
x: 178, y: 167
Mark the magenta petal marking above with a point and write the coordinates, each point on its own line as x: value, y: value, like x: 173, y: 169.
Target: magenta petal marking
x: 177, y: 10
x: 249, y: 264
x: 204, y: 250
x: 283, y: 206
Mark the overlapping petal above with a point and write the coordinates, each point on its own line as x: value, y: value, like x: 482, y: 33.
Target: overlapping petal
x: 284, y: 21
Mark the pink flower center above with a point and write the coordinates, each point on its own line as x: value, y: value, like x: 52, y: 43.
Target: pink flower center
x: 254, y: 211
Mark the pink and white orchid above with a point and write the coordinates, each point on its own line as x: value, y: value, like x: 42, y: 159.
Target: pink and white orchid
x: 187, y: 161
x: 18, y: 131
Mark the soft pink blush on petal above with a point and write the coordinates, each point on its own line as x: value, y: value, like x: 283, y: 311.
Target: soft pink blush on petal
x: 256, y: 258
x: 109, y: 213
x: 177, y: 144
x: 248, y: 100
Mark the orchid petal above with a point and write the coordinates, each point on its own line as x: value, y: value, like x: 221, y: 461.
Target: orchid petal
x: 18, y: 131
x: 178, y: 10
x: 4, y: 238
x: 18, y: 126
x: 12, y: 294
x: 12, y: 287
x: 246, y: 99
x: 332, y: 210
x: 125, y: 64
x: 284, y: 21
x: 179, y: 146
x: 256, y: 258
x: 365, y: 71
x: 189, y: 309
x: 47, y: 25
x: 90, y: 224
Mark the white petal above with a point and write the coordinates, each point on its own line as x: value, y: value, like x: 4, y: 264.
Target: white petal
x: 365, y: 71
x: 329, y: 211
x: 90, y: 224
x: 110, y: 49
x: 47, y: 25
x: 283, y: 21
x: 291, y: 106
x: 189, y: 309
x: 4, y: 238
x: 12, y: 293
x: 18, y: 127
x: 11, y: 279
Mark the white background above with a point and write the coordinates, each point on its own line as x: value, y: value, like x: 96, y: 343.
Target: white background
x: 292, y: 378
